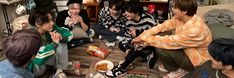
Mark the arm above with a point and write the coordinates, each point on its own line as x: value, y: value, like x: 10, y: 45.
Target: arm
x: 45, y: 52
x: 85, y: 21
x: 193, y: 36
x: 65, y: 33
x: 104, y: 18
x: 149, y: 23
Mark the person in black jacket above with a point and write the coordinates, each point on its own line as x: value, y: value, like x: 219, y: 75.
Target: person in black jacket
x: 76, y: 20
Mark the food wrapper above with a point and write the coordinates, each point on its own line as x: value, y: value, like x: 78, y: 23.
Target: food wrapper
x: 98, y: 52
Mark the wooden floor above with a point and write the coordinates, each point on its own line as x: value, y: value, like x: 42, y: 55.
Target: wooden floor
x: 136, y: 70
x: 116, y: 55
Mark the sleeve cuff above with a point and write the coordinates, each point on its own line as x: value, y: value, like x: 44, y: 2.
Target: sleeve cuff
x: 54, y: 44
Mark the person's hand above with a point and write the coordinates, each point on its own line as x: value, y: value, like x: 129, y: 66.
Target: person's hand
x: 79, y: 19
x: 74, y: 20
x: 56, y: 37
x: 117, y: 30
x: 132, y: 32
x: 112, y: 29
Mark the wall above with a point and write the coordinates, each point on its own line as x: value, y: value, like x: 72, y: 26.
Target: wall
x: 11, y: 14
x: 224, y: 1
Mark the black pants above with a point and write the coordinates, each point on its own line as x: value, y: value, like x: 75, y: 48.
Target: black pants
x: 106, y: 33
x: 132, y: 55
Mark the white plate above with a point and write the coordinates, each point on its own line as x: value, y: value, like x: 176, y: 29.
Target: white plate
x: 110, y: 65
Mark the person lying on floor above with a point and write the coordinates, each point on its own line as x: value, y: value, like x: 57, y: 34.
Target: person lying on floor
x: 19, y: 48
x: 138, y: 21
x: 221, y: 65
x: 76, y: 20
x: 187, y: 46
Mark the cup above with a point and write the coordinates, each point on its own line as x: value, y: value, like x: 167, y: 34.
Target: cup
x: 20, y: 9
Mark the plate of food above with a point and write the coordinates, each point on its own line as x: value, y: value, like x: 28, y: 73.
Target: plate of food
x: 103, y: 65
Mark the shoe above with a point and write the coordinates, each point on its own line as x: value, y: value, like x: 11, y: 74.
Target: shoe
x: 151, y: 59
x: 91, y: 40
x: 59, y: 74
x: 120, y: 38
x: 117, y: 71
x: 100, y: 37
x: 91, y: 33
x: 109, y: 44
x: 176, y: 74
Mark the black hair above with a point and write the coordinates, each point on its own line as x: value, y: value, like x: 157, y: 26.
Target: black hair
x: 74, y: 1
x: 134, y: 7
x: 40, y: 16
x: 222, y: 49
x: 189, y: 6
x: 21, y: 46
x: 119, y: 4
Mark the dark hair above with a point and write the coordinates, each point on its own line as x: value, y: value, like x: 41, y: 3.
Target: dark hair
x: 74, y: 1
x: 189, y: 6
x: 222, y: 49
x: 21, y: 46
x: 119, y: 4
x: 40, y: 16
x: 134, y: 7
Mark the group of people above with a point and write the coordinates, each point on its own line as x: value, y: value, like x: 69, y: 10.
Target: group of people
x: 183, y: 44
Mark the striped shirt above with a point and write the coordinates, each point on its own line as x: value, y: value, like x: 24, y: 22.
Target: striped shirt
x: 146, y: 21
x: 108, y: 21
x: 193, y: 37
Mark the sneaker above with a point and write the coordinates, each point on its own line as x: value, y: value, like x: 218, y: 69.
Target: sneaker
x: 91, y: 33
x: 151, y: 59
x: 91, y: 40
x: 117, y: 71
x: 110, y: 44
x: 176, y: 74
x: 100, y: 37
x: 59, y: 74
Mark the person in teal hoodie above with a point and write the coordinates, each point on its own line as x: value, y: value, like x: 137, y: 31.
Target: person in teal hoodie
x: 54, y: 50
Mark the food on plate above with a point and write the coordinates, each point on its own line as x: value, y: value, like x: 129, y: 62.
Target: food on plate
x: 102, y: 66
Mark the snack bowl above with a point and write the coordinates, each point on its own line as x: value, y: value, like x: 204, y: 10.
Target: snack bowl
x: 103, y: 65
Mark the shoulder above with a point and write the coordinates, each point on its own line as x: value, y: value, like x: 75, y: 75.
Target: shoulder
x: 63, y: 12
x: 146, y: 16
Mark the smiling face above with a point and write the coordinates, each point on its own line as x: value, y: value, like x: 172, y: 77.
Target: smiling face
x: 48, y: 26
x: 113, y: 11
x: 130, y: 16
x: 74, y: 9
